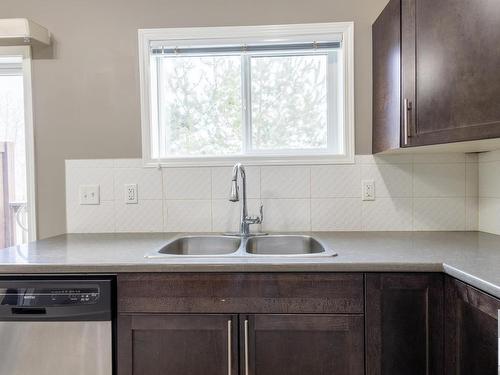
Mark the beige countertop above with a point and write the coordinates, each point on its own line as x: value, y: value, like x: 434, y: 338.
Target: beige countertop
x: 472, y: 257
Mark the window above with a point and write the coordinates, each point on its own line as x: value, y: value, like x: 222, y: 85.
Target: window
x: 259, y: 93
x: 16, y: 148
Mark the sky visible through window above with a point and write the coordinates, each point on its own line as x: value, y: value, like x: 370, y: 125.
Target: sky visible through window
x: 201, y: 105
x: 12, y: 129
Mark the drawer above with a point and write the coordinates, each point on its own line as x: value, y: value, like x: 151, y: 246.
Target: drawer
x: 280, y: 293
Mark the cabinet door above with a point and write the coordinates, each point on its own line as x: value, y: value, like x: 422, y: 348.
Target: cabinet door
x: 471, y: 330
x: 177, y: 344
x: 450, y: 60
x: 404, y: 324
x: 386, y: 41
x: 302, y: 344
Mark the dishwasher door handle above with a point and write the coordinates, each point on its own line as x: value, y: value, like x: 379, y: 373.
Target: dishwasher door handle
x: 28, y: 311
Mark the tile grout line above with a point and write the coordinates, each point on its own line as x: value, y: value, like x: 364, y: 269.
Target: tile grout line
x: 310, y: 200
x: 164, y: 200
x: 412, y: 195
x: 114, y: 197
x: 211, y: 200
x: 466, y: 217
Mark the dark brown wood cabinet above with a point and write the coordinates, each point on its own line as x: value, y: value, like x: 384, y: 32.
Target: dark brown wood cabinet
x: 435, y: 73
x: 156, y: 344
x: 471, y: 330
x: 302, y: 344
x: 404, y: 324
x: 276, y: 293
x: 249, y: 323
x: 304, y: 323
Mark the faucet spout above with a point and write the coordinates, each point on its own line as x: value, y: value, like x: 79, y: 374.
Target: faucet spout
x: 246, y: 220
x: 233, y: 194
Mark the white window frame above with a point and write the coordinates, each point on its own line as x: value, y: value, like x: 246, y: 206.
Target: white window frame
x: 25, y: 53
x: 245, y: 34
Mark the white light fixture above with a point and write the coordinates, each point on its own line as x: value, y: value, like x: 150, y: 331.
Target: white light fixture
x: 21, y: 31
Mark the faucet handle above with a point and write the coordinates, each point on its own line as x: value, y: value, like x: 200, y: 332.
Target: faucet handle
x: 256, y: 219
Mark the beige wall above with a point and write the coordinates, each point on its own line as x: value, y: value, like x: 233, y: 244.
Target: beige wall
x: 86, y: 95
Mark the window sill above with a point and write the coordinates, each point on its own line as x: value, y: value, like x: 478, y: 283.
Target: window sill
x: 250, y: 160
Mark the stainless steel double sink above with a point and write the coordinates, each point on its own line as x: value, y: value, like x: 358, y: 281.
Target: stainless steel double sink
x: 202, y: 246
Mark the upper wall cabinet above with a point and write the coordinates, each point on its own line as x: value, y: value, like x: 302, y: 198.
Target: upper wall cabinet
x: 436, y: 73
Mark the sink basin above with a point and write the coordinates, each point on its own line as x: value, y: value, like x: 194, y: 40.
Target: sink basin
x: 200, y: 246
x: 285, y: 245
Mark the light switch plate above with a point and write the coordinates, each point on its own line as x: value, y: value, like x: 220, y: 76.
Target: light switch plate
x: 368, y: 190
x: 89, y: 194
x: 131, y: 194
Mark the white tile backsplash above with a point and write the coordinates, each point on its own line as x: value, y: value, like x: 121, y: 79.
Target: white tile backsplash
x: 384, y: 159
x: 489, y: 192
x: 472, y: 213
x: 146, y: 216
x: 471, y: 180
x: 90, y: 218
x: 285, y: 182
x: 489, y: 179
x: 188, y: 215
x: 334, y: 181
x: 187, y: 183
x: 226, y: 215
x: 92, y: 163
x: 439, y: 180
x: 128, y: 163
x: 391, y: 180
x: 489, y: 215
x: 221, y: 186
x: 148, y: 180
x: 439, y: 213
x: 387, y: 214
x: 489, y: 156
x: 332, y: 214
x: 288, y: 215
x: 76, y: 176
x: 425, y: 158
x: 413, y: 192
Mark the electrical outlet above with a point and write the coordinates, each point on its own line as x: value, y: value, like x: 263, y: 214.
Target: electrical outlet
x: 131, y: 194
x: 89, y: 194
x: 368, y: 190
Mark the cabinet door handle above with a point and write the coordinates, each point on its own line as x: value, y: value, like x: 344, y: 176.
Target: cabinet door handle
x: 229, y: 347
x: 406, y: 121
x: 246, y: 347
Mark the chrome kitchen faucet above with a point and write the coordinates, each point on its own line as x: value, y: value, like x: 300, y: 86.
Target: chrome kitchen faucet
x: 246, y: 220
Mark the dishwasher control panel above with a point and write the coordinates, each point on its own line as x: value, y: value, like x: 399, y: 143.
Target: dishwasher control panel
x: 75, y: 296
x: 37, y: 297
x: 56, y: 299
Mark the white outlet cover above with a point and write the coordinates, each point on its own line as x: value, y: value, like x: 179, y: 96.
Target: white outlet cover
x: 89, y: 194
x: 131, y: 194
x: 368, y: 190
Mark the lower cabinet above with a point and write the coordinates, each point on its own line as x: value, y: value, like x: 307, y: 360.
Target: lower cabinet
x: 240, y: 324
x: 471, y: 330
x: 158, y: 344
x: 404, y: 324
x: 302, y: 344
x: 304, y: 324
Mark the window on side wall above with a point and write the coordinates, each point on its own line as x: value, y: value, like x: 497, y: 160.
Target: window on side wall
x: 264, y: 94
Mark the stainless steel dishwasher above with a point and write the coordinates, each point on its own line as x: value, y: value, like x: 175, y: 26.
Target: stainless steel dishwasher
x: 55, y: 327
